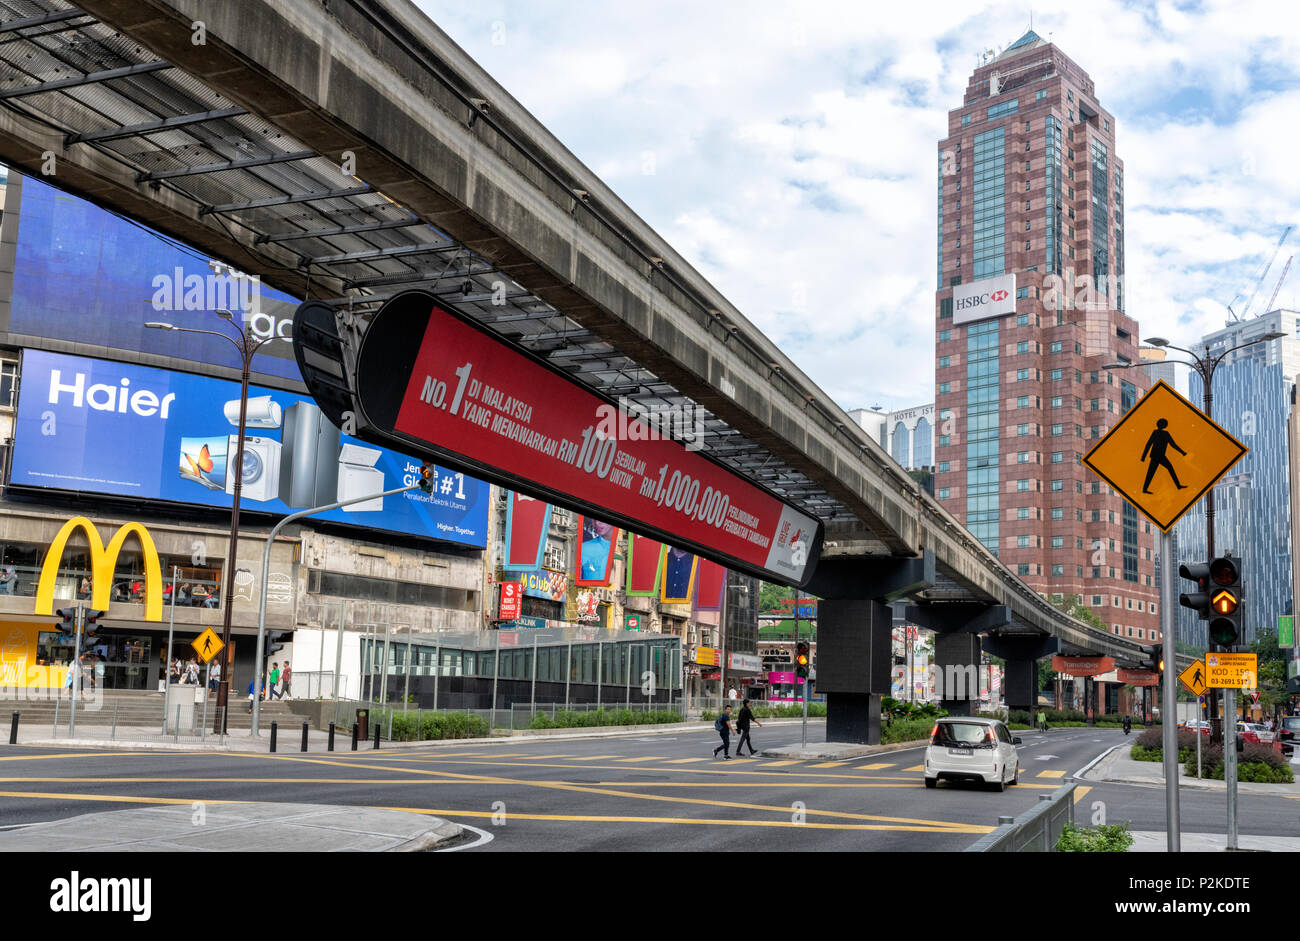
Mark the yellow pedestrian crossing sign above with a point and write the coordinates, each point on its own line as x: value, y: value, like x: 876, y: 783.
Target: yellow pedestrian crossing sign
x: 207, y: 645
x: 1194, y: 678
x: 1164, y: 455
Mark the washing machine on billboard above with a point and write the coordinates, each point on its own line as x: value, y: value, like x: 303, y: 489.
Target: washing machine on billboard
x: 309, y: 466
x: 261, y: 468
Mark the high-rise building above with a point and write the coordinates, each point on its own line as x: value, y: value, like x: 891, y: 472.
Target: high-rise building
x: 907, y: 433
x: 1252, y: 395
x: 1029, y: 307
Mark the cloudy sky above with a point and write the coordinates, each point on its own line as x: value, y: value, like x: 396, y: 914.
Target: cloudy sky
x: 788, y: 150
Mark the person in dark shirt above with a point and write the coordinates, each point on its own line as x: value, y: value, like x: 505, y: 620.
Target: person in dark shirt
x: 723, y: 726
x: 742, y: 726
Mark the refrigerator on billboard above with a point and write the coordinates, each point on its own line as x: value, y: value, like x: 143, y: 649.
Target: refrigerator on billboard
x: 309, y: 463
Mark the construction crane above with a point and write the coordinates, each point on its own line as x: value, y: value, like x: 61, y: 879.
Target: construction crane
x: 1260, y: 280
x: 1285, y: 269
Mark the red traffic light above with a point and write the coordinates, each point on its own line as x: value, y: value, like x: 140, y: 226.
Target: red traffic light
x: 1224, y: 572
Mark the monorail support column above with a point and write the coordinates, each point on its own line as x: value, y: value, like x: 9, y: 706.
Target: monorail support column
x: 957, y: 627
x: 1022, y: 653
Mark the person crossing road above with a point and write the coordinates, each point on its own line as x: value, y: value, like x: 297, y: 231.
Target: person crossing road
x: 742, y: 726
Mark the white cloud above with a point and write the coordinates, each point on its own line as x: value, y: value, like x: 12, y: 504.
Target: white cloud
x: 795, y: 145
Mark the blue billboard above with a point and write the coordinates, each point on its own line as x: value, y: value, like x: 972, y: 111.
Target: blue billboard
x: 104, y: 427
x: 85, y: 275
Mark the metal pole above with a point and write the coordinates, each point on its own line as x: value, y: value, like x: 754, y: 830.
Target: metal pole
x: 338, y: 662
x: 246, y: 352
x: 76, y: 668
x: 1207, y: 406
x: 1230, y: 761
x: 627, y: 673
x: 171, y: 631
x: 600, y: 663
x: 496, y: 673
x: 1198, y: 737
x: 406, y: 691
x: 261, y: 603
x: 722, y: 637
x: 568, y: 673
x: 532, y: 696
x: 383, y: 683
x: 1169, y: 710
x: 437, y: 670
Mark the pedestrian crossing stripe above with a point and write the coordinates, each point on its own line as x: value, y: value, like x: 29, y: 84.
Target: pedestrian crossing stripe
x: 682, y: 761
x: 876, y: 767
x: 781, y: 764
x: 915, y: 768
x: 605, y: 757
x: 1050, y: 774
x: 543, y: 757
x: 645, y: 758
x: 829, y: 764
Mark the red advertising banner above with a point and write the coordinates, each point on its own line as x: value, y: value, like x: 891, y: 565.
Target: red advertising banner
x: 1082, y: 666
x: 511, y: 601
x: 710, y: 580
x: 644, y: 557
x: 1137, y: 677
x: 472, y: 395
x: 595, y: 551
x: 527, y: 522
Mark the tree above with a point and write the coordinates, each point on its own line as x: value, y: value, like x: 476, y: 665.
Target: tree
x: 1073, y: 606
x: 770, y: 597
x: 1271, y: 680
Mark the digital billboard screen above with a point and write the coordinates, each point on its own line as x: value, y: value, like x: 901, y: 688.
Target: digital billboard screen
x: 153, y: 434
x: 83, y: 274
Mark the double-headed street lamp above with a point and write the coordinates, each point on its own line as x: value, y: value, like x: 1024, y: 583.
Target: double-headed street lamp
x: 248, y: 344
x: 1205, y: 366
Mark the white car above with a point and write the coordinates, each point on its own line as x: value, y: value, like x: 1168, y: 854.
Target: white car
x: 964, y: 748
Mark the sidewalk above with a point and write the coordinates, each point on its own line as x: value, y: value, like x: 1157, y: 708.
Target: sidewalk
x: 289, y: 740
x: 237, y: 827
x: 1153, y: 841
x: 1119, y: 768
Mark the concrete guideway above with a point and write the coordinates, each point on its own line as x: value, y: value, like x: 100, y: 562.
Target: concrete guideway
x: 236, y: 826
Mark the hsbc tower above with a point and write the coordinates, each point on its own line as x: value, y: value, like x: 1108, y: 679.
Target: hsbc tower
x: 1029, y: 306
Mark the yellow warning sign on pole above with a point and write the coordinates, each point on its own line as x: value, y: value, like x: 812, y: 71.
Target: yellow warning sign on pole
x: 1194, y: 678
x: 1231, y: 670
x: 1163, y: 455
x: 207, y: 645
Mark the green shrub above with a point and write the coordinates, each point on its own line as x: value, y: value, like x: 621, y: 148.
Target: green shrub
x: 1256, y: 763
x: 1110, y: 838
x: 428, y: 726
x: 906, y: 730
x: 592, y: 718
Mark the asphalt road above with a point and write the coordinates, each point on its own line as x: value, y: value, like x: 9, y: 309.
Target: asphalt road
x: 649, y: 792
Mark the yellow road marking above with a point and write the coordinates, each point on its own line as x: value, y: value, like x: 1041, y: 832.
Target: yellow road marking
x: 605, y: 757
x: 116, y: 798
x: 877, y: 766
x: 782, y: 764
x: 1080, y: 791
x: 643, y: 758
x: 543, y: 757
x: 682, y: 761
x: 587, y: 789
x: 915, y: 768
x: 830, y: 764
x: 1050, y: 774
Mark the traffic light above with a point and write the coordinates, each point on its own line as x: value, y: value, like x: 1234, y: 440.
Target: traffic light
x: 68, y: 622
x: 801, y: 660
x: 1199, y: 600
x: 91, y: 624
x: 426, y: 477
x: 1153, y: 658
x: 275, y: 641
x: 1225, y: 602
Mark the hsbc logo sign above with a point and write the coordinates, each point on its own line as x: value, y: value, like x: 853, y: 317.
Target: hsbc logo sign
x: 991, y: 297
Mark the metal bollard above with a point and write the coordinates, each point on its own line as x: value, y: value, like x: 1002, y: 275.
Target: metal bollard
x: 275, y: 727
x: 330, y: 747
x: 354, y: 736
x: 377, y: 724
x: 304, y: 736
x: 13, y: 730
x: 114, y: 733
x: 176, y: 729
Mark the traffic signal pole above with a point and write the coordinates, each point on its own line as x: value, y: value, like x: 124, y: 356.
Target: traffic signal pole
x: 76, y: 668
x: 266, y: 573
x: 1169, y: 699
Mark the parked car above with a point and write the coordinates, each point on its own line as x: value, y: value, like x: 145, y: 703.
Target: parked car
x: 1201, y: 725
x: 1288, y: 730
x: 972, y: 749
x: 1254, y: 733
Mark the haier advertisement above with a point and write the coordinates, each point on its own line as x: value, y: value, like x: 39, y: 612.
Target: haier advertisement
x: 104, y: 427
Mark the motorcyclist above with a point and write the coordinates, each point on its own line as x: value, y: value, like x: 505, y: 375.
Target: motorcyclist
x: 1128, y: 725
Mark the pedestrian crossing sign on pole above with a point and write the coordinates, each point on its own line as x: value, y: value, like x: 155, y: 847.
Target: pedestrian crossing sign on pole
x: 1164, y: 455
x: 1194, y: 678
x: 207, y: 645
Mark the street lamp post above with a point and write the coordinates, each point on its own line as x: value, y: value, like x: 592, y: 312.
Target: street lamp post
x: 1204, y: 366
x: 248, y: 344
